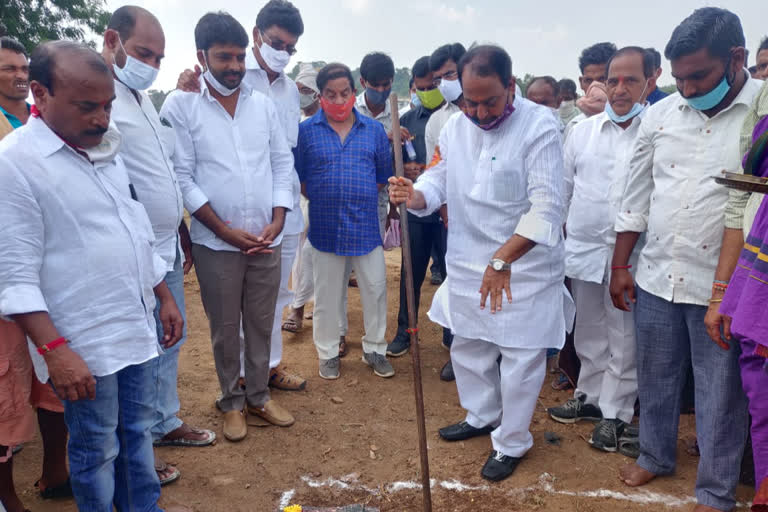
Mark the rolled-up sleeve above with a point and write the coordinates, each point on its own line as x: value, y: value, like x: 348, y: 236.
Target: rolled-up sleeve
x: 184, y: 156
x: 281, y: 160
x: 636, y: 203
x: 737, y: 199
x: 21, y: 245
x: 544, y: 165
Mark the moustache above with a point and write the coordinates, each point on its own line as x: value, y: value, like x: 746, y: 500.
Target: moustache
x: 95, y: 132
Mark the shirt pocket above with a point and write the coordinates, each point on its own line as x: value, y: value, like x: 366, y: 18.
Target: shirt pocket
x: 507, y: 182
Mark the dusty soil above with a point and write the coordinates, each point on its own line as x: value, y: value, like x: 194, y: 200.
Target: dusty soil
x: 368, y: 441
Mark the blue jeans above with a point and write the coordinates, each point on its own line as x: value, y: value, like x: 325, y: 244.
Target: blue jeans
x: 110, y: 445
x: 668, y: 336
x: 166, y: 367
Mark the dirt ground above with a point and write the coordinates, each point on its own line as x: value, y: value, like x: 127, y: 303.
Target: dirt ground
x: 353, y: 451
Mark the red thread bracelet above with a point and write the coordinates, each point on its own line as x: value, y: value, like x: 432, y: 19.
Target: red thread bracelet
x: 412, y: 331
x: 621, y: 267
x: 51, y: 346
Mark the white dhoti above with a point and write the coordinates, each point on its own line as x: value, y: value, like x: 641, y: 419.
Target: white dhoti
x: 503, y: 396
x: 604, y: 339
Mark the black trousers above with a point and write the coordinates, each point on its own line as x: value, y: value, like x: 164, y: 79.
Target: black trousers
x: 423, y: 237
x: 438, y: 252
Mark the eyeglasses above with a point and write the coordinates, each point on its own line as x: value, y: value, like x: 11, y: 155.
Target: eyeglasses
x: 277, y: 44
x: 450, y: 76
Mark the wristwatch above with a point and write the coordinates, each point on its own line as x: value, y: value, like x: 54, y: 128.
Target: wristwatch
x: 499, y: 265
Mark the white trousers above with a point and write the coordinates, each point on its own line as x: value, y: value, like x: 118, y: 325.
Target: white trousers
x: 302, y: 274
x: 604, y: 339
x: 289, y: 244
x: 505, y: 396
x: 330, y: 278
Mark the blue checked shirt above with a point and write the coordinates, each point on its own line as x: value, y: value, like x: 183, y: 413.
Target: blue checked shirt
x: 341, y: 183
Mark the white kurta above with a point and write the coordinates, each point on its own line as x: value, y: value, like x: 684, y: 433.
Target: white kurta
x: 499, y: 183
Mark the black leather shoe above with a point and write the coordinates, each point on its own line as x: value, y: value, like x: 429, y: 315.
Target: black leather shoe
x: 499, y: 466
x: 463, y: 430
x: 446, y: 373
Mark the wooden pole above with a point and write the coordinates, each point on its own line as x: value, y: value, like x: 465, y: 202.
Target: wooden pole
x: 405, y: 243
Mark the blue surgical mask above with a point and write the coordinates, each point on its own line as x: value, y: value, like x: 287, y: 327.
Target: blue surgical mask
x: 377, y: 97
x: 635, y: 111
x: 135, y: 74
x: 713, y: 98
x: 415, y: 100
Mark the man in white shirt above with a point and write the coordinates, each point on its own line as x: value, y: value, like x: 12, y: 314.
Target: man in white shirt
x: 78, y: 272
x: 134, y: 45
x: 684, y: 142
x: 593, y: 64
x: 501, y: 175
x: 275, y: 35
x: 235, y: 172
x: 596, y: 158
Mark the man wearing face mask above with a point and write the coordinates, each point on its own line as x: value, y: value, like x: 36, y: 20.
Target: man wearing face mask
x: 344, y: 159
x: 134, y: 45
x: 596, y: 157
x: 684, y: 142
x: 275, y: 35
x: 235, y: 171
x: 567, y: 98
x: 444, y: 64
x: 79, y: 274
x: 309, y: 94
x: 501, y: 175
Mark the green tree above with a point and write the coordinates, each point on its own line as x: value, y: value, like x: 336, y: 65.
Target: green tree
x: 36, y: 21
x: 669, y: 89
x: 157, y: 97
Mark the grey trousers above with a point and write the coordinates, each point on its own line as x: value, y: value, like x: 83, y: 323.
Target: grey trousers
x: 234, y: 286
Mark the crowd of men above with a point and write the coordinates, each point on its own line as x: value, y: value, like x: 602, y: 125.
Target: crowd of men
x: 593, y: 214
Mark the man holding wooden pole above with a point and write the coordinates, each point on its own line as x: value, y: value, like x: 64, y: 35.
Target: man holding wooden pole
x: 501, y: 175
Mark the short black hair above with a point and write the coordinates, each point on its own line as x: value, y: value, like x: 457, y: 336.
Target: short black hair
x: 656, y: 57
x: 219, y: 28
x: 123, y: 20
x: 487, y: 60
x: 763, y: 45
x: 550, y: 81
x: 445, y: 53
x: 567, y: 85
x: 711, y: 28
x: 649, y: 64
x: 9, y: 43
x: 377, y: 67
x: 283, y: 14
x: 42, y: 63
x: 421, y: 67
x: 333, y: 71
x: 599, y: 53
x: 752, y: 70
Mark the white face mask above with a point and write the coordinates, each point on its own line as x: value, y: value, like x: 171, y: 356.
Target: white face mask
x: 567, y: 107
x: 276, y: 60
x: 135, y: 74
x: 450, y: 89
x: 220, y: 88
x: 306, y: 100
x: 108, y: 149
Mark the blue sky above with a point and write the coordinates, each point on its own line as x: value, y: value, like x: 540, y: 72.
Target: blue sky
x: 542, y: 37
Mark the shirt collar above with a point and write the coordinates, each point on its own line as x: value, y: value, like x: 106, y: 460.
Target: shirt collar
x: 6, y: 114
x: 604, y: 119
x: 46, y: 139
x: 745, y: 97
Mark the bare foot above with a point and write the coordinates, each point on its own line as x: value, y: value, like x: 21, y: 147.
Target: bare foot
x: 294, y: 321
x: 635, y: 476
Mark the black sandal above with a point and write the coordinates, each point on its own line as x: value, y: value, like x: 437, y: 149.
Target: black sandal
x: 55, y: 493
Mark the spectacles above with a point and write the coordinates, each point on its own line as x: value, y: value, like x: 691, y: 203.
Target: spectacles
x: 277, y: 44
x: 450, y: 76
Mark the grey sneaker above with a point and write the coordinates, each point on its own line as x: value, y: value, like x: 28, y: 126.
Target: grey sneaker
x: 329, y: 368
x: 606, y: 435
x: 379, y: 363
x: 575, y: 410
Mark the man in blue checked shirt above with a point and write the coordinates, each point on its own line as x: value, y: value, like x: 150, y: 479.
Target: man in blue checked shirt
x: 343, y: 159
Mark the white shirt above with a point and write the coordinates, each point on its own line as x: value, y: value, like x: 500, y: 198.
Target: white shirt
x: 242, y: 166
x: 435, y: 125
x: 572, y: 123
x: 75, y: 244
x: 146, y: 151
x: 596, y: 157
x: 499, y: 183
x: 384, y: 117
x: 285, y: 95
x: 672, y: 196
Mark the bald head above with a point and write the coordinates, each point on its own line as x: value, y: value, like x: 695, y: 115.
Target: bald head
x: 73, y: 89
x: 134, y: 31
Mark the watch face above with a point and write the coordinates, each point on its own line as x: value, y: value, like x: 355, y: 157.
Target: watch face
x: 497, y: 265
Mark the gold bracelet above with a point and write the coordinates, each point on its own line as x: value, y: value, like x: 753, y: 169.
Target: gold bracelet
x: 715, y: 301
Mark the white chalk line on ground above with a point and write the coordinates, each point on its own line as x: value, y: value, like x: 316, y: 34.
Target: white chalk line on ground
x: 545, y: 484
